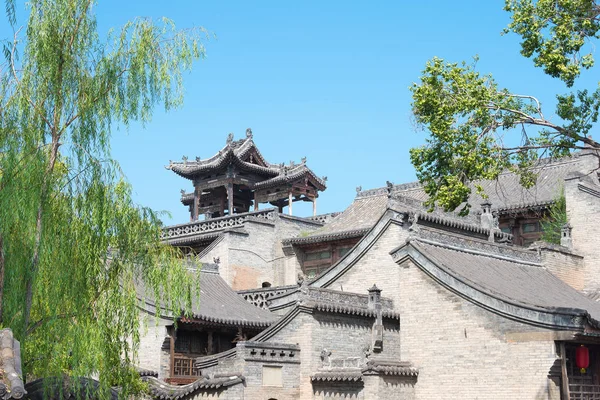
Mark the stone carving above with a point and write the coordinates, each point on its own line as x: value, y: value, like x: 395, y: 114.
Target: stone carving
x: 262, y: 297
x: 413, y: 218
x: 325, y: 358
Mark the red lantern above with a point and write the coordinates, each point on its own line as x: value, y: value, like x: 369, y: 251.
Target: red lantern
x: 582, y: 358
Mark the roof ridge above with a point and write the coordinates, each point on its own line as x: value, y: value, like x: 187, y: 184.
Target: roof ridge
x: 476, y: 246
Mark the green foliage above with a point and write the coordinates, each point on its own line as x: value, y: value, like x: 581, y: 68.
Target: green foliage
x: 469, y: 117
x: 73, y: 245
x: 553, y: 223
x: 554, y: 33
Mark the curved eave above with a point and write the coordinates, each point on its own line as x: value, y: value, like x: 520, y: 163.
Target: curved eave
x: 299, y: 173
x: 162, y: 390
x: 202, y: 319
x: 326, y: 237
x: 190, y: 169
x: 554, y: 318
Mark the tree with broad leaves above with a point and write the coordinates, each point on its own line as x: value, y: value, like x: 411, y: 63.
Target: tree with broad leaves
x: 468, y: 114
x: 73, y: 245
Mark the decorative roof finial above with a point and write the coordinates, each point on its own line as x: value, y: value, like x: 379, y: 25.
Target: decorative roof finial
x: 324, y: 179
x: 230, y: 138
x: 184, y: 158
x: 303, y: 160
x: 249, y: 133
x: 358, y: 190
x: 292, y: 163
x: 390, y: 187
x: 182, y: 192
x: 197, y: 159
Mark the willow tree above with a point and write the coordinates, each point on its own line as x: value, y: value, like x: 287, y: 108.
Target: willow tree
x: 73, y: 245
x: 477, y: 129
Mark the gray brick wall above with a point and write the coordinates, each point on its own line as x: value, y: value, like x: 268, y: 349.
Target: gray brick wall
x: 463, y: 351
x: 582, y: 212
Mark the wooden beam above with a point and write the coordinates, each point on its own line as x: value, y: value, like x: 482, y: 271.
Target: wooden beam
x: 255, y: 202
x: 564, y: 379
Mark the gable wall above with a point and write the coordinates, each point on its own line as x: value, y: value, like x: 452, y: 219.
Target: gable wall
x: 465, y: 352
x: 376, y: 266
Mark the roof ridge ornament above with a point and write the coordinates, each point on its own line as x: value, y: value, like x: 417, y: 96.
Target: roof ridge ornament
x: 389, y: 187
x: 303, y: 160
x: 229, y: 139
x: 249, y: 133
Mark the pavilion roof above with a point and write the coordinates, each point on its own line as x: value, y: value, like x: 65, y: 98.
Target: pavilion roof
x: 245, y: 155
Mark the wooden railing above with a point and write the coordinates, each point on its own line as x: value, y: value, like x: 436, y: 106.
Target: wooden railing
x: 184, y: 370
x: 580, y: 389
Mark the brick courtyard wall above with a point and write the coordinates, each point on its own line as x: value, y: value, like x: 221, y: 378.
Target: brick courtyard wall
x: 253, y: 257
x: 565, y: 265
x: 152, y: 336
x: 465, y: 352
x: 346, y: 337
x: 582, y: 213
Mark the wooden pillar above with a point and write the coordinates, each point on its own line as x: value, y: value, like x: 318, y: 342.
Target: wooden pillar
x: 222, y: 211
x: 564, y: 379
x: 172, y: 366
x: 230, y: 198
x: 314, y: 206
x: 290, y: 203
x: 255, y: 202
x: 209, y: 344
x: 196, y: 205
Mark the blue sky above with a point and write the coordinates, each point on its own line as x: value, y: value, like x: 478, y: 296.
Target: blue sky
x: 323, y: 79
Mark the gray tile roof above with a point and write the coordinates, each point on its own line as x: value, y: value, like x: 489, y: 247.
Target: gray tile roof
x: 506, y: 193
x: 11, y: 380
x: 522, y: 283
x: 354, y: 221
x: 338, y: 375
x: 162, y: 390
x: 219, y: 304
x: 67, y: 388
x: 390, y: 367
